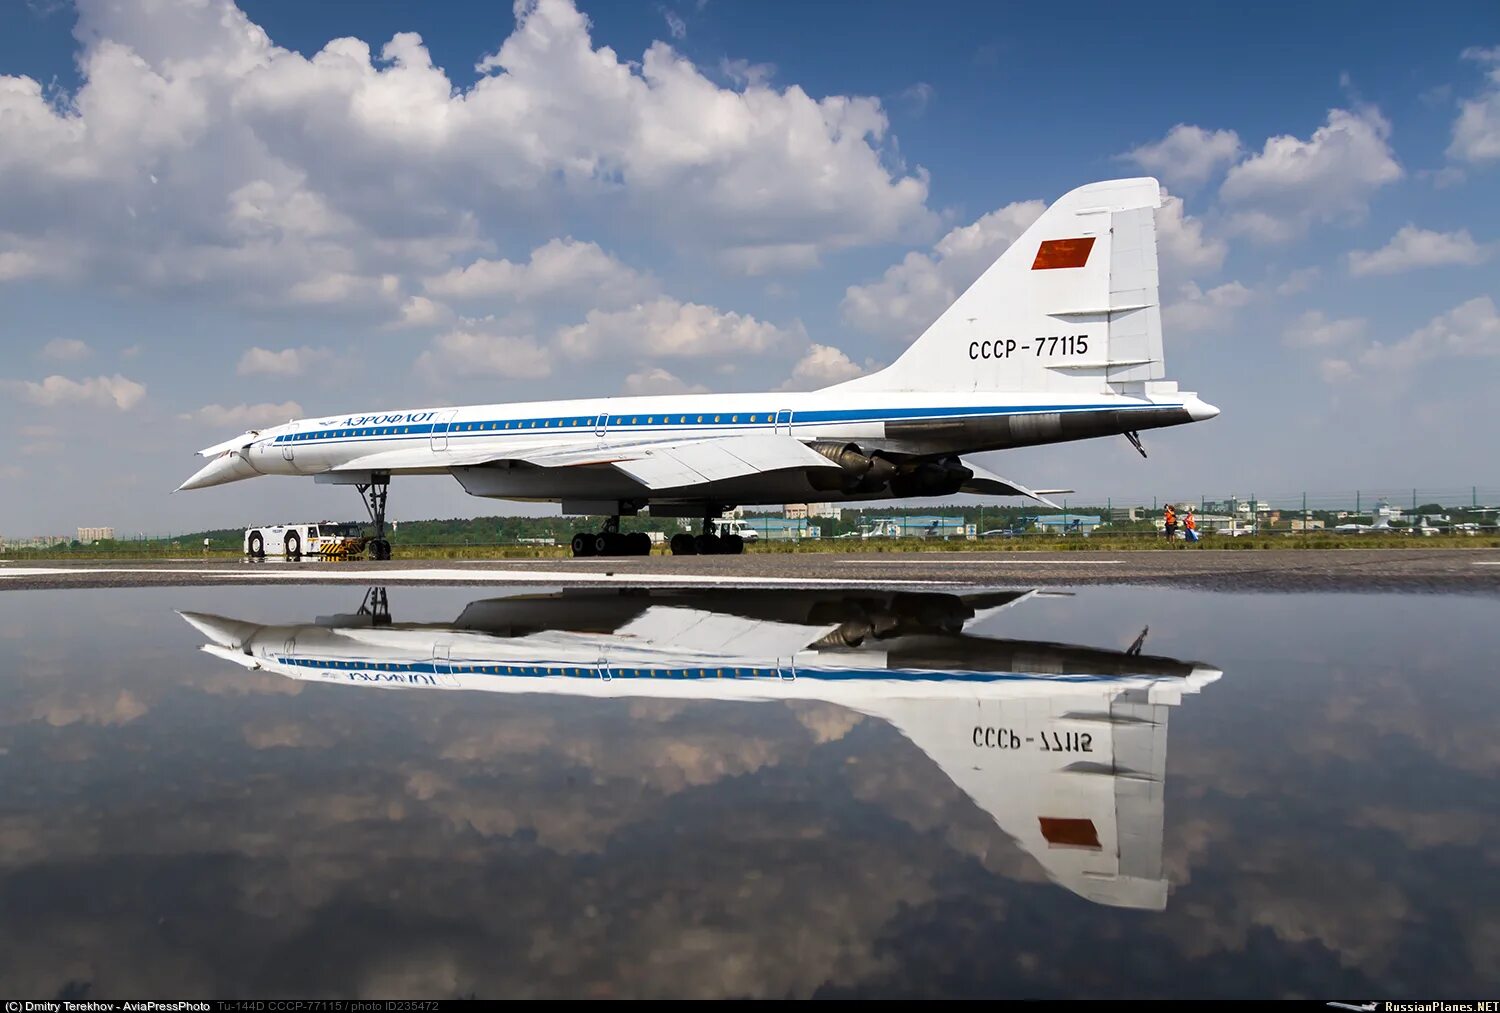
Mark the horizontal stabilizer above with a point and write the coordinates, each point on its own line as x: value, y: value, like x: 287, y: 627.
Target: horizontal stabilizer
x: 988, y: 483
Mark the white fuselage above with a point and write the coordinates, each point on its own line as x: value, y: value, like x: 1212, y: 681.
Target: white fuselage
x: 463, y: 440
x: 1058, y: 340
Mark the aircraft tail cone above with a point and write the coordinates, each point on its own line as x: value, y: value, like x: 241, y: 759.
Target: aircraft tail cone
x: 1200, y: 410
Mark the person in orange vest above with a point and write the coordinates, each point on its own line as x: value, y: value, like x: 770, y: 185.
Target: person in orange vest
x: 1170, y: 518
x: 1190, y: 526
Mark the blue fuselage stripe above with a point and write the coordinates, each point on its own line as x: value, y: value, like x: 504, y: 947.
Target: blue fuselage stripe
x: 674, y: 422
x: 395, y: 670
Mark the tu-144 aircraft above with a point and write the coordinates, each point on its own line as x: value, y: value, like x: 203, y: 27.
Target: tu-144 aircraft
x: 1064, y: 745
x: 1060, y: 339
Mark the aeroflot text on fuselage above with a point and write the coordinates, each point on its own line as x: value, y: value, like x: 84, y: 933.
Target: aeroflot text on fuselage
x: 383, y: 420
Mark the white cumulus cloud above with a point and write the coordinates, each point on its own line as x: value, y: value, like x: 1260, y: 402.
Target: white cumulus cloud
x: 823, y: 365
x: 198, y: 153
x: 101, y: 391
x: 659, y: 381
x: 1412, y: 248
x: 911, y: 294
x: 473, y: 351
x: 1299, y: 280
x: 561, y: 269
x: 1197, y: 310
x: 420, y: 311
x: 1469, y: 330
x: 1476, y: 132
x: 1330, y: 177
x: 1314, y: 329
x: 667, y: 327
x: 1188, y: 155
x: 1181, y: 243
x: 285, y: 362
x: 244, y: 416
x: 66, y: 350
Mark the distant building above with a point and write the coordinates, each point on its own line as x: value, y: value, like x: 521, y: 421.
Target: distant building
x: 1069, y: 523
x: 802, y: 511
x: 1213, y: 522
x: 782, y: 529
x: 1238, y: 507
x: 87, y: 535
x: 915, y: 526
x: 38, y: 542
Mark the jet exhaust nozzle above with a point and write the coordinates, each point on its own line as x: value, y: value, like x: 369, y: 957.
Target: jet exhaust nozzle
x: 942, y: 478
x: 859, y: 472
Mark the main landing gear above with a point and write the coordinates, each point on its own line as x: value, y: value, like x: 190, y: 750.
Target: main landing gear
x: 611, y: 542
x: 374, y: 495
x: 707, y: 543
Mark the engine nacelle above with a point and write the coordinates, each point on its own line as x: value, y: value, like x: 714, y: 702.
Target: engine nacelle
x: 931, y: 478
x: 858, y: 472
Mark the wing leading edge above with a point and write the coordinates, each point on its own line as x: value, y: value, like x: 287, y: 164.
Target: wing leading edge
x: 655, y: 465
x: 670, y: 464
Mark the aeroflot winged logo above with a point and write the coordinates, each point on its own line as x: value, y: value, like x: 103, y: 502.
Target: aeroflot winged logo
x: 1055, y: 253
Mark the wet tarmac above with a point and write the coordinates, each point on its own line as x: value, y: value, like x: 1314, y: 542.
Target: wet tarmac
x: 644, y: 790
x: 1451, y: 571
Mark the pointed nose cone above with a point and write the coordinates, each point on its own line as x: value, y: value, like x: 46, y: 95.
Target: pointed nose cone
x: 1200, y: 410
x: 224, y: 632
x: 230, y: 467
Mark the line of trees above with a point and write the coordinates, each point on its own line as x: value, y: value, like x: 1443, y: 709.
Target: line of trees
x: 500, y: 530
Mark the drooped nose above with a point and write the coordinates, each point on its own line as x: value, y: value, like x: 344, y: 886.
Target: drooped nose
x: 220, y: 630
x: 230, y: 466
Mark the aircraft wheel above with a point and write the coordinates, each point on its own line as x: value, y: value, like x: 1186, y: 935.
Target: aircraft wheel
x: 609, y: 543
x: 683, y: 545
x: 583, y: 545
x: 293, y: 546
x: 380, y: 549
x: 708, y: 545
x: 734, y: 545
x: 640, y: 543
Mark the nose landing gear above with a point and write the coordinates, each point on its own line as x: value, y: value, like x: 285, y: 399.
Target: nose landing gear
x: 374, y: 494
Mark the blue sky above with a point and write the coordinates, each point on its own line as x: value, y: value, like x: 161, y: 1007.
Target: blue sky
x: 215, y: 216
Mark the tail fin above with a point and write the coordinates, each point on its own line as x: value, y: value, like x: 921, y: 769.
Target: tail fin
x: 1072, y: 305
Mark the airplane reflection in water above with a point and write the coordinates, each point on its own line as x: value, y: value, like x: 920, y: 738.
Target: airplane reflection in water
x: 1064, y: 745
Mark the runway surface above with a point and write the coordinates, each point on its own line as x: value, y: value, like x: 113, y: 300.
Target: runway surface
x: 1446, y: 571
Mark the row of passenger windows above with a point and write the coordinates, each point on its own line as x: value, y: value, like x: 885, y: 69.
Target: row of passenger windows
x: 624, y: 673
x: 765, y: 418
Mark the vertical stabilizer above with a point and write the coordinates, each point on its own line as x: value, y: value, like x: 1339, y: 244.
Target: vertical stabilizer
x: 1071, y: 306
